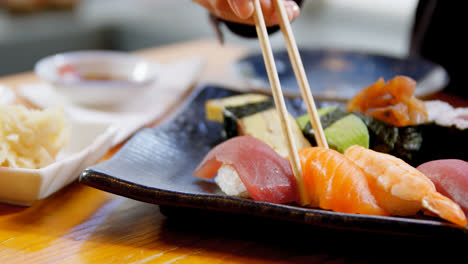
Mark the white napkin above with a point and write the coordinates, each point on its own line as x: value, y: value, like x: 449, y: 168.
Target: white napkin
x: 174, y: 80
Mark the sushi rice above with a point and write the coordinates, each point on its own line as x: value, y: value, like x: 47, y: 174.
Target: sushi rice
x: 444, y: 114
x: 230, y: 182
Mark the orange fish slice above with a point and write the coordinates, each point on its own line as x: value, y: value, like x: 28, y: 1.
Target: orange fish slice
x: 335, y: 183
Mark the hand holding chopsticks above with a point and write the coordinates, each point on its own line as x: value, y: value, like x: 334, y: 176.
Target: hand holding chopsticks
x: 241, y: 11
x: 278, y: 94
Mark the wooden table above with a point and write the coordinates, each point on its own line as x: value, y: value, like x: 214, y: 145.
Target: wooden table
x: 80, y: 224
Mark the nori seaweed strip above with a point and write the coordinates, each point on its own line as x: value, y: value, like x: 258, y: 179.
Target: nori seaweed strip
x: 229, y: 124
x: 331, y: 117
x: 402, y: 142
x: 233, y: 113
x: 382, y: 136
x: 418, y: 143
x: 408, y: 146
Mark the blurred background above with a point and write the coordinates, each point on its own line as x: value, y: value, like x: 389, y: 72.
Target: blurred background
x: 32, y: 29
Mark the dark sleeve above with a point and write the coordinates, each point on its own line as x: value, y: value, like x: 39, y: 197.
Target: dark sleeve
x: 438, y: 35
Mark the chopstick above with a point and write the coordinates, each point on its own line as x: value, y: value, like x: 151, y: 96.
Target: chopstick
x: 278, y: 94
x: 279, y: 100
x: 300, y: 74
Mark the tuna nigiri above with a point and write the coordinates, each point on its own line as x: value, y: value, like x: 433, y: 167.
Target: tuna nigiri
x: 450, y: 177
x: 266, y: 175
x: 401, y: 189
x: 333, y: 182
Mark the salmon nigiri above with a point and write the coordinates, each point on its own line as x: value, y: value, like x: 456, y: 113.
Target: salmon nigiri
x: 401, y: 189
x: 335, y: 183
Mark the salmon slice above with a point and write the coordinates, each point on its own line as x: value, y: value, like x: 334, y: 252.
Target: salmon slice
x: 335, y: 183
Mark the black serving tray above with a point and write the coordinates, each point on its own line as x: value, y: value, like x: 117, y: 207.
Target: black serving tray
x: 156, y: 166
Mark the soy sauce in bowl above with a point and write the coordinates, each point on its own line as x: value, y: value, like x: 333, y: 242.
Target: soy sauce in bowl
x: 97, y: 77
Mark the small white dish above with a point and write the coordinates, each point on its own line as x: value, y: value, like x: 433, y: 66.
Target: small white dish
x: 97, y: 77
x: 89, y: 142
x: 94, y: 130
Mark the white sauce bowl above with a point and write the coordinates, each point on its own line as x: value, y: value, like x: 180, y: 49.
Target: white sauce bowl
x: 77, y: 75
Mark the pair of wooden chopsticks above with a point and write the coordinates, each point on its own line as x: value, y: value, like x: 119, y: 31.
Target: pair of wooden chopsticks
x: 278, y: 94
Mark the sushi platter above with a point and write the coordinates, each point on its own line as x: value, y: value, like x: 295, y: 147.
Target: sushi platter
x: 156, y: 166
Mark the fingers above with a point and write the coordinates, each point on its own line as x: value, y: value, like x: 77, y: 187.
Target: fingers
x: 241, y: 11
x: 242, y: 8
x: 292, y: 10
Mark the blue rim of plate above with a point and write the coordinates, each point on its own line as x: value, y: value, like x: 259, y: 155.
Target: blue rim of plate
x: 337, y: 75
x: 155, y: 166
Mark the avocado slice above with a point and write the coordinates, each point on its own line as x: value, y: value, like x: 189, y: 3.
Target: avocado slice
x: 346, y: 132
x: 341, y: 128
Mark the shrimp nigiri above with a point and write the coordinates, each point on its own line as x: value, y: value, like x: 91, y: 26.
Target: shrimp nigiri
x: 401, y: 189
x: 334, y: 182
